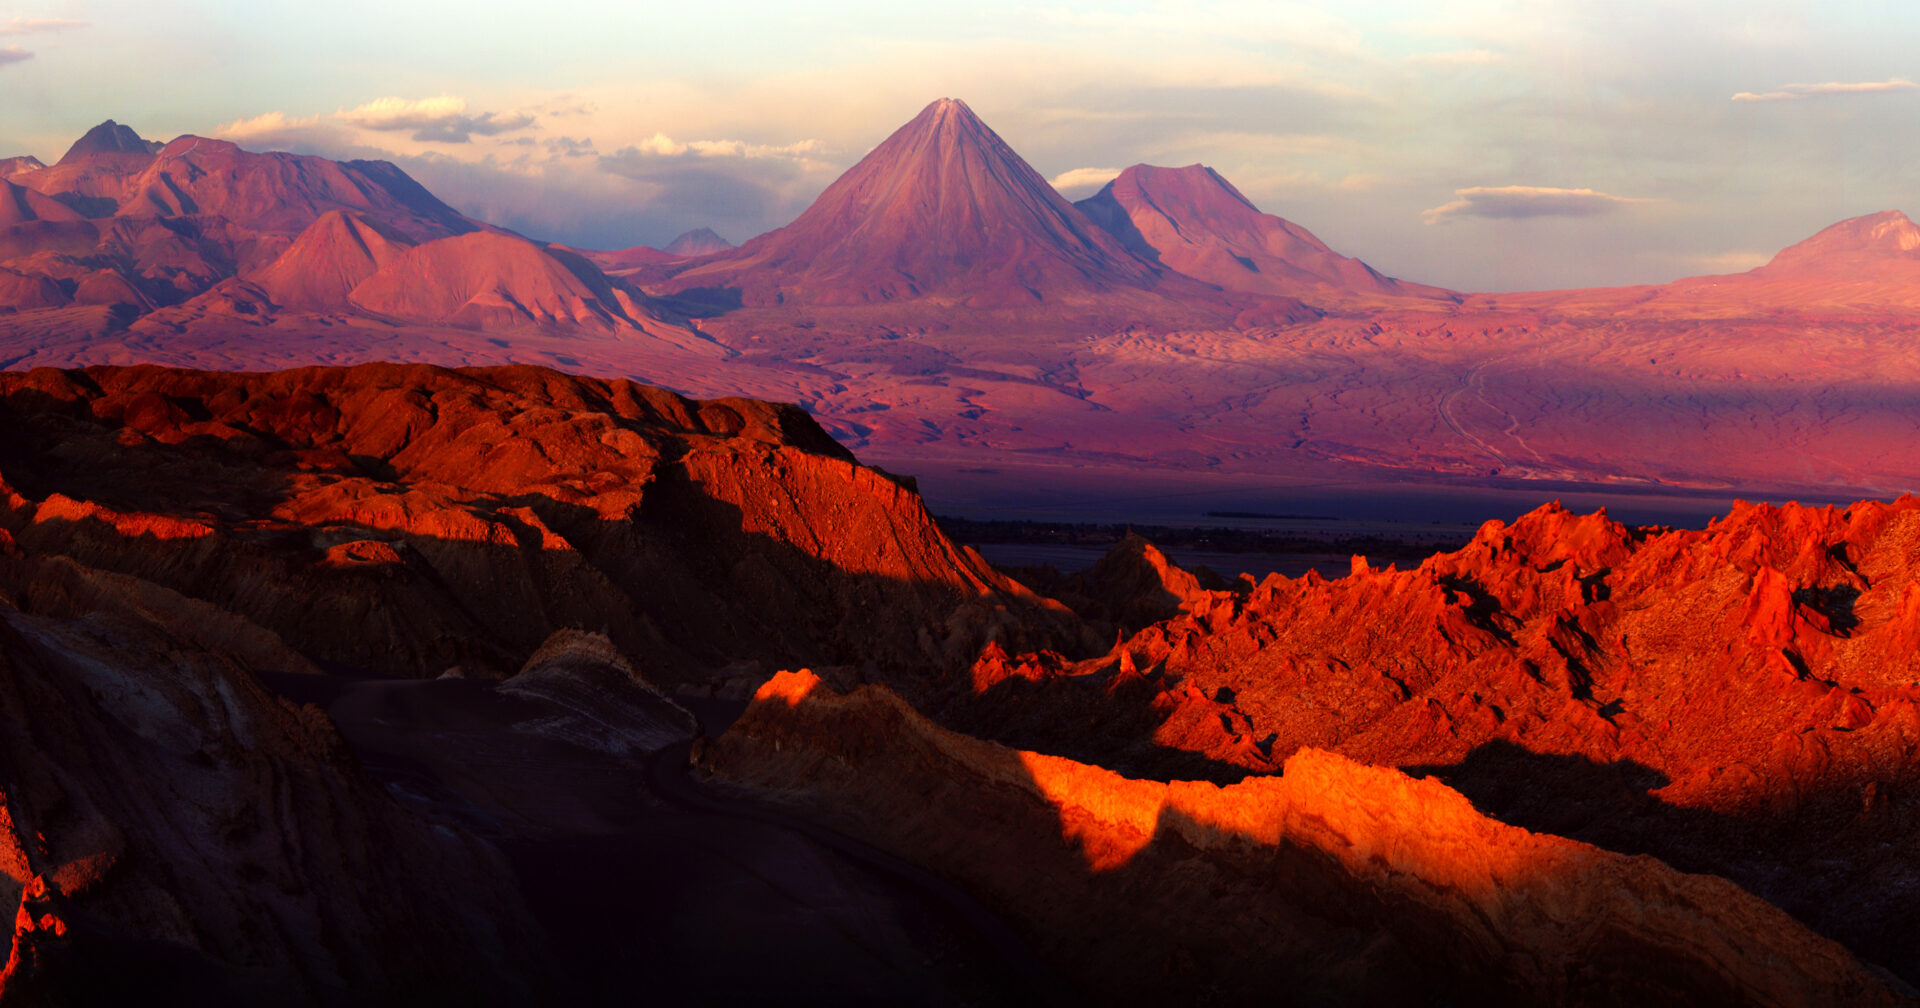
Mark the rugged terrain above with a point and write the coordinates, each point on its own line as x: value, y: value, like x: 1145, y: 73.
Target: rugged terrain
x: 498, y: 592
x: 379, y: 682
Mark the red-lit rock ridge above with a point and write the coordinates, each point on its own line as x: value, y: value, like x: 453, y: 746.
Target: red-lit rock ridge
x: 1334, y: 883
x: 404, y: 520
x: 179, y: 550
x: 1743, y: 699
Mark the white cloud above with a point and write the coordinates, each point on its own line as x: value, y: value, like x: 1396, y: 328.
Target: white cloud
x: 1795, y: 92
x: 1084, y: 178
x: 29, y: 26
x: 664, y: 146
x: 266, y: 124
x: 1517, y: 202
x: 440, y: 119
x: 14, y: 54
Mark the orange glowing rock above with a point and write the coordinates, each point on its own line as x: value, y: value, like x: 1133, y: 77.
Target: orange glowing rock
x: 1357, y: 881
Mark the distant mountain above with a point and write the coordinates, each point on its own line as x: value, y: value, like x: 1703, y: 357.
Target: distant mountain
x: 110, y: 138
x: 1867, y: 264
x: 942, y: 211
x: 1193, y: 221
x: 11, y: 166
x: 328, y: 261
x: 111, y: 172
x: 698, y: 242
x: 250, y: 238
x: 1874, y: 243
x: 494, y: 281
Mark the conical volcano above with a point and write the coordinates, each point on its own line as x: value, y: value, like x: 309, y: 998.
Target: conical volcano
x: 943, y: 211
x: 1193, y: 221
x: 328, y: 261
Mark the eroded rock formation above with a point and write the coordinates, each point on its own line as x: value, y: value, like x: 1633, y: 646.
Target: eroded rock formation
x: 1333, y: 883
x: 402, y: 521
x: 1740, y: 699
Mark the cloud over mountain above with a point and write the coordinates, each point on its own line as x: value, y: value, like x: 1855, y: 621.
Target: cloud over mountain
x: 1518, y: 202
x: 440, y: 119
x: 1085, y: 178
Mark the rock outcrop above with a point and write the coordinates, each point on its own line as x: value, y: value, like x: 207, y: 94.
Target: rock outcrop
x: 1740, y: 699
x: 173, y: 832
x: 1333, y: 883
x: 406, y: 520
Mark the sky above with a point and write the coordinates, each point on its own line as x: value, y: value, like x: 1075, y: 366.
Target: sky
x: 1488, y: 145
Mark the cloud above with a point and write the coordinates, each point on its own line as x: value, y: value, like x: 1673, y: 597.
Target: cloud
x: 440, y: 119
x: 566, y: 146
x: 661, y: 145
x: 1516, y: 202
x: 267, y: 126
x: 30, y: 26
x: 14, y: 54
x: 1795, y: 92
x: 1084, y: 178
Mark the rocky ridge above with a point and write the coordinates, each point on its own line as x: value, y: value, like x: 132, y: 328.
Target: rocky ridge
x: 1333, y: 882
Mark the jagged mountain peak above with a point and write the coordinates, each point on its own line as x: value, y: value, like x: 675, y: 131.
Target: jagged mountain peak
x: 109, y: 138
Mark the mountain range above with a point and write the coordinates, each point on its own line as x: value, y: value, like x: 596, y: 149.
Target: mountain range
x: 941, y: 308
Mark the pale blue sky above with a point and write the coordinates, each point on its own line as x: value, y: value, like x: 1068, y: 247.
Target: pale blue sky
x: 622, y: 123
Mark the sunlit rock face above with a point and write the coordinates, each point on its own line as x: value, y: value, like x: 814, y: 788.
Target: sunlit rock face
x: 1739, y: 700
x: 406, y: 520
x: 1352, y: 883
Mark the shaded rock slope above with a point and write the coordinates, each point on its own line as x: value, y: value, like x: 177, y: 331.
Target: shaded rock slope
x: 1335, y: 883
x: 172, y: 832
